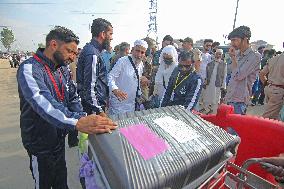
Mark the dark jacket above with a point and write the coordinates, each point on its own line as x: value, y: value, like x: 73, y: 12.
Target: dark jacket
x: 45, y: 120
x: 186, y: 93
x: 220, y: 72
x: 92, y: 78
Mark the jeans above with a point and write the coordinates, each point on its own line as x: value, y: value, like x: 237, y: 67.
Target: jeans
x: 239, y: 107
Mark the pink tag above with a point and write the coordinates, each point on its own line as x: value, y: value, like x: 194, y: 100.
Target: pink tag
x: 145, y: 141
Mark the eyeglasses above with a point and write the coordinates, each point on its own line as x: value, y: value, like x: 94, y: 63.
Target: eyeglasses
x: 168, y: 59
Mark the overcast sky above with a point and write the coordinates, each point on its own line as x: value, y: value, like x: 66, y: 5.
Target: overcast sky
x: 198, y: 19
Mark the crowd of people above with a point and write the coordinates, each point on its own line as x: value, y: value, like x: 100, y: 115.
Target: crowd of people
x: 65, y: 90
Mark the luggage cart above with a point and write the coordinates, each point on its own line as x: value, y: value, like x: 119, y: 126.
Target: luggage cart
x: 236, y: 177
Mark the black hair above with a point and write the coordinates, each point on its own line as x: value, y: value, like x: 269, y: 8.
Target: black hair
x: 215, y: 44
x: 207, y: 41
x: 272, y: 52
x: 241, y: 32
x: 168, y: 38
x: 186, y: 55
x: 99, y: 25
x: 62, y: 34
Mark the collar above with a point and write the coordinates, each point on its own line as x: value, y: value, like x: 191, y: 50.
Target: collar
x: 97, y: 44
x: 46, y: 60
x: 246, y: 52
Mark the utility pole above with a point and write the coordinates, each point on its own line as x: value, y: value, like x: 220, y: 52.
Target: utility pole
x: 236, y: 14
x: 152, y: 26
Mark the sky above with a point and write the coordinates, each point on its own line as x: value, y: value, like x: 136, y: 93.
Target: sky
x: 31, y: 20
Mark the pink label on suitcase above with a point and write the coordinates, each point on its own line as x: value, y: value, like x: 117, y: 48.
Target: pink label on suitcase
x: 144, y: 140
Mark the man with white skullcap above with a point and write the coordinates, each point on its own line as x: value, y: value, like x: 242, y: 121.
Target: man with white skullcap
x: 216, y: 73
x: 124, y: 80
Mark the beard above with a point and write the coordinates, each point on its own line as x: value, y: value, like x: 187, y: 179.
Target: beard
x: 106, y: 44
x: 58, y: 57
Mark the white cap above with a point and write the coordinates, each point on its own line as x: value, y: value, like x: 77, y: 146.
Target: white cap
x: 141, y: 42
x: 219, y: 51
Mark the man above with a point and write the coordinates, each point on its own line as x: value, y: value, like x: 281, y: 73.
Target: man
x: 257, y: 87
x: 73, y: 65
x: 274, y: 91
x: 215, y: 46
x: 216, y: 73
x: 206, y: 57
x: 91, y: 71
x: 184, y: 86
x: 124, y: 49
x: 167, y: 40
x: 245, y: 68
x: 107, y: 56
x: 49, y: 110
x: 123, y: 80
x: 201, y: 67
x: 187, y: 44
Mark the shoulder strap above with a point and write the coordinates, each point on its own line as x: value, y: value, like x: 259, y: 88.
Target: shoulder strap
x: 164, y: 83
x: 136, y: 72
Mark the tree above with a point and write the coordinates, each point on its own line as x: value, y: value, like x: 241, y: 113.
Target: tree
x: 7, y: 38
x: 41, y: 45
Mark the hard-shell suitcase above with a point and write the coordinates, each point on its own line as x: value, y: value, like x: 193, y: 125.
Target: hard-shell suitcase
x: 161, y: 148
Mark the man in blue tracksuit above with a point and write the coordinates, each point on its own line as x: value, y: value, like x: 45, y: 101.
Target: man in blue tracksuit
x: 91, y: 70
x: 50, y: 109
x: 184, y: 86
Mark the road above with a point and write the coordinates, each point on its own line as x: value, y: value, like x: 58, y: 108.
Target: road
x: 14, y: 162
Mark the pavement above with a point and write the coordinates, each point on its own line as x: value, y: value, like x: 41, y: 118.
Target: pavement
x: 14, y: 161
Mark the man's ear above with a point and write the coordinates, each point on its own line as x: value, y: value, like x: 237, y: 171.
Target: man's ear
x: 102, y: 35
x: 53, y: 44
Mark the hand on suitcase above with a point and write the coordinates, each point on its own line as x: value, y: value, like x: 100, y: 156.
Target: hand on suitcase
x: 120, y: 94
x: 277, y: 169
x: 95, y: 124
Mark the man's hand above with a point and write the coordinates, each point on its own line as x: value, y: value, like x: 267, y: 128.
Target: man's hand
x: 144, y: 82
x: 95, y: 124
x: 120, y: 94
x: 233, y: 55
x: 278, y: 169
x: 232, y: 52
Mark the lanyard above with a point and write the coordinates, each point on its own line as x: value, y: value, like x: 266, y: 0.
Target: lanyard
x: 177, y: 84
x: 59, y: 94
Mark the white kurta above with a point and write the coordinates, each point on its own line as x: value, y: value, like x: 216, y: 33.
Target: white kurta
x: 212, y: 94
x: 165, y: 72
x: 206, y: 58
x: 122, y: 76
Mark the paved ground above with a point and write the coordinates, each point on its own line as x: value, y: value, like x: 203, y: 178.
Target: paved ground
x: 14, y: 163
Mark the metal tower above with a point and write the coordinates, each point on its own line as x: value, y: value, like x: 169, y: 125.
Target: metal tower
x: 152, y: 23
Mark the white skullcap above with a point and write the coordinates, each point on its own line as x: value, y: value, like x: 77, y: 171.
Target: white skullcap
x: 219, y: 51
x: 141, y: 42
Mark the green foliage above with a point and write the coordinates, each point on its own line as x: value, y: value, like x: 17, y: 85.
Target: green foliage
x: 7, y: 38
x: 41, y: 45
